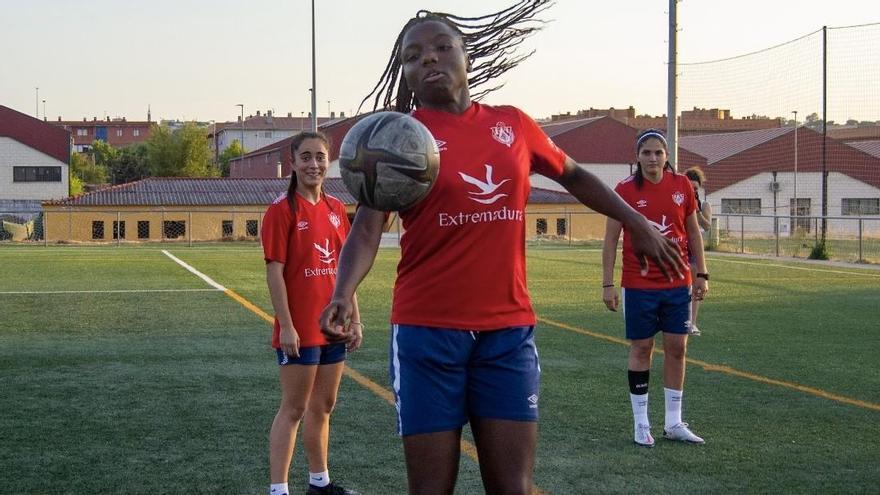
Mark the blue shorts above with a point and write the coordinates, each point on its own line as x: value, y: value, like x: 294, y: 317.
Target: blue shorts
x: 648, y: 311
x: 442, y: 377
x: 323, y: 354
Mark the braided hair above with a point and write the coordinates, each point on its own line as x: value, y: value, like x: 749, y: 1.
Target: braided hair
x: 490, y: 41
x: 640, y: 140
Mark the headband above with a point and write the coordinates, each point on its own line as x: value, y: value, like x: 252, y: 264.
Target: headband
x: 651, y: 134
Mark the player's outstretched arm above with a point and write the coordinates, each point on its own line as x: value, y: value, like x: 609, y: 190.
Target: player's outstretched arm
x: 647, y: 242
x: 355, y: 262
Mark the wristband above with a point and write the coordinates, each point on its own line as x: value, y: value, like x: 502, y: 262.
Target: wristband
x: 356, y: 323
x: 607, y: 286
x: 704, y: 276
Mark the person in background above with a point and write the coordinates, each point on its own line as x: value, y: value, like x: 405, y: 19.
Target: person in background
x: 302, y: 235
x: 656, y: 302
x: 704, y: 218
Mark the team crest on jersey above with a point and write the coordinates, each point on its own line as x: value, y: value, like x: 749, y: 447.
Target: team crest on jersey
x: 678, y: 198
x: 488, y: 189
x: 441, y: 145
x: 334, y: 219
x: 302, y: 225
x: 503, y: 133
x: 642, y: 203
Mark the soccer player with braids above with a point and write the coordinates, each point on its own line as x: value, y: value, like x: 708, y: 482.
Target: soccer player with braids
x: 462, y: 345
x: 653, y: 302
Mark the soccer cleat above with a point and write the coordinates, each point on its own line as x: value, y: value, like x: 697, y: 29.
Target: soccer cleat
x: 693, y: 330
x: 331, y: 489
x: 681, y: 433
x: 643, y: 436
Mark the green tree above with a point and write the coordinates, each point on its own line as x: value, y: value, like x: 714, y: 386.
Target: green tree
x: 84, y: 169
x: 234, y: 150
x: 76, y: 186
x: 180, y: 153
x: 103, y: 153
x: 130, y: 164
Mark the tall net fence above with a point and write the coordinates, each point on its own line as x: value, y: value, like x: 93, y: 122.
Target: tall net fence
x: 826, y: 85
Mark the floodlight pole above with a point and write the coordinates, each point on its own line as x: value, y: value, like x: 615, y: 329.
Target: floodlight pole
x: 314, y: 87
x: 241, y: 154
x: 672, y: 96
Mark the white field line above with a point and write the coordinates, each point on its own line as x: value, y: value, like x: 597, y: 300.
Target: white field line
x: 195, y: 272
x: 778, y: 265
x: 118, y: 291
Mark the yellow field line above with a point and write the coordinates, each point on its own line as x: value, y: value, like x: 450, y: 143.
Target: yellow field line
x: 728, y: 370
x: 467, y: 447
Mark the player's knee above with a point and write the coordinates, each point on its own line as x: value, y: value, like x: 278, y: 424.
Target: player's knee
x: 292, y: 413
x: 641, y: 351
x: 674, y: 351
x: 324, y: 406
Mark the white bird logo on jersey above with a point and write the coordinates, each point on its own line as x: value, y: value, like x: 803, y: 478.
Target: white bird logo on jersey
x: 326, y: 252
x: 486, y: 188
x: 663, y: 227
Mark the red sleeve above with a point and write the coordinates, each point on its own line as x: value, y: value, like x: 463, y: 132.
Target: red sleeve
x: 547, y: 159
x: 275, y: 232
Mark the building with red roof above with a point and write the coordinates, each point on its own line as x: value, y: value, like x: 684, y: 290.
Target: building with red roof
x: 34, y: 158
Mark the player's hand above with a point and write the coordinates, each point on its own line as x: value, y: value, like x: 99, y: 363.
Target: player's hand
x: 334, y: 320
x: 356, y: 333
x: 650, y: 245
x: 289, y: 341
x: 701, y: 288
x: 611, y: 298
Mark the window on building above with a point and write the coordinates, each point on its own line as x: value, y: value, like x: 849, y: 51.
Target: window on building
x: 143, y: 229
x: 860, y: 206
x: 561, y: 226
x: 541, y: 226
x: 97, y: 229
x: 267, y: 134
x: 802, y: 213
x: 119, y: 229
x: 136, y: 132
x: 118, y: 132
x: 227, y: 228
x: 82, y: 132
x: 738, y: 206
x: 252, y: 228
x: 36, y: 174
x: 172, y: 229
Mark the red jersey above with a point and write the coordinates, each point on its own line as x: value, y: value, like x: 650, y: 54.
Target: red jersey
x: 666, y: 205
x: 463, y: 250
x: 308, y: 245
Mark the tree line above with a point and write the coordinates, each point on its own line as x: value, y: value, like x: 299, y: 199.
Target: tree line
x: 182, y: 152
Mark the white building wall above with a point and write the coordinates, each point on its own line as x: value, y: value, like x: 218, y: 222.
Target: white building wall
x: 253, y: 139
x: 809, y: 185
x: 16, y: 154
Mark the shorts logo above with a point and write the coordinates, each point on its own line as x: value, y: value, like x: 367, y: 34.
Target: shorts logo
x: 325, y: 253
x: 678, y: 198
x: 334, y: 219
x: 486, y: 187
x: 533, y: 401
x: 302, y: 225
x: 641, y: 203
x: 503, y: 133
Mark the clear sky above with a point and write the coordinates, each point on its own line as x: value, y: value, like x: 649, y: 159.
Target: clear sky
x: 196, y: 59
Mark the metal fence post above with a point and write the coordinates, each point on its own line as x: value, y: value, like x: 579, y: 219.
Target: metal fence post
x: 45, y: 228
x: 861, y: 254
x: 742, y: 234
x: 189, y: 228
x: 118, y: 229
x: 776, y: 233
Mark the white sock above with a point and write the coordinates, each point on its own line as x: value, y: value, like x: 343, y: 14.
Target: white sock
x: 278, y: 489
x: 319, y: 479
x: 640, y: 408
x: 673, y: 407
